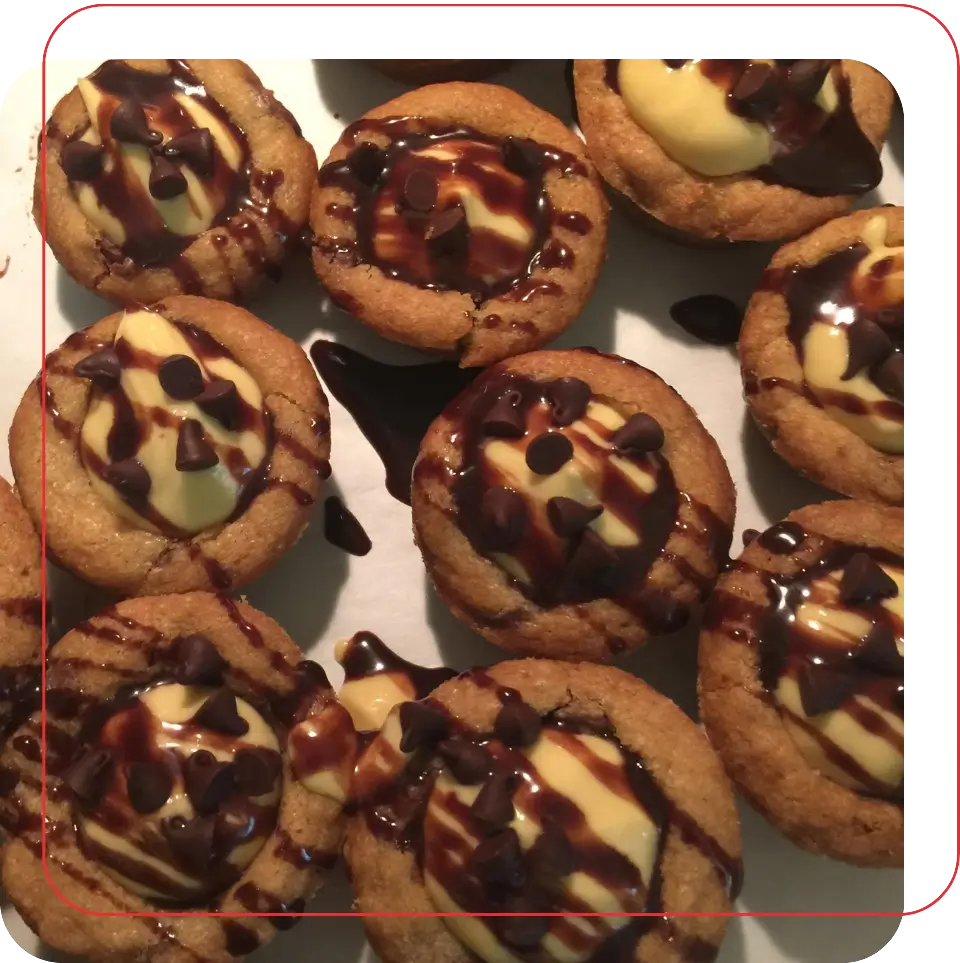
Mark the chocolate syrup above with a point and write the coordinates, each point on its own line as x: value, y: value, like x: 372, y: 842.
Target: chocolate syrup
x: 343, y: 529
x: 5, y: 267
x: 366, y: 655
x: 393, y: 405
x: 28, y: 610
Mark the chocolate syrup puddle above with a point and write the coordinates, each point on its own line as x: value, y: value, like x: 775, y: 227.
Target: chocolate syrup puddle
x: 393, y: 405
x: 367, y: 655
x: 343, y: 529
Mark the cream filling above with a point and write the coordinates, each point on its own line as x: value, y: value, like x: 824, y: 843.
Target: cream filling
x: 191, y: 501
x: 840, y: 627
x: 369, y: 699
x: 687, y: 115
x: 189, y: 214
x: 172, y: 706
x: 315, y: 766
x: 615, y: 820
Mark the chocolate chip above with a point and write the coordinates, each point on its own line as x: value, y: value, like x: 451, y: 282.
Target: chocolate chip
x: 148, y: 785
x: 661, y: 612
x: 129, y: 477
x: 755, y: 94
x: 207, y: 780
x: 675, y: 64
x: 90, y: 776
x: 823, y: 688
x: 522, y: 157
x: 709, y: 317
x: 493, y: 806
x: 468, y: 762
x: 256, y: 771
x: 129, y: 124
x: 420, y: 191
x: 569, y: 517
x: 868, y: 345
x: 749, y: 534
x: 198, y: 662
x: 82, y: 161
x: 638, y: 435
x: 220, y: 713
x: 879, y: 651
x: 422, y: 725
x: 592, y: 561
x: 550, y: 858
x: 548, y: 453
x: 521, y: 932
x: 310, y: 676
x: 448, y: 233
x: 863, y: 580
x: 221, y: 401
x: 497, y: 860
x: 806, y: 77
x: 166, y: 179
x: 517, y: 724
x: 888, y: 375
x: 503, y: 518
x: 192, y: 841
x: 366, y: 161
x: 569, y: 398
x: 102, y: 368
x: 194, y: 148
x: 194, y: 452
x: 180, y: 377
x: 506, y: 418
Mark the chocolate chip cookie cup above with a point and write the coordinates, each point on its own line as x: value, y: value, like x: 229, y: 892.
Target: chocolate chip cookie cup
x: 186, y: 445
x: 542, y: 787
x: 821, y: 353
x: 194, y: 763
x: 801, y: 679
x: 460, y: 218
x: 168, y: 177
x: 417, y: 72
x: 569, y: 504
x: 735, y: 150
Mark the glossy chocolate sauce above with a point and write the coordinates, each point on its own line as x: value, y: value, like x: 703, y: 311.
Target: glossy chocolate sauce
x: 343, y: 529
x: 393, y: 405
x: 366, y: 654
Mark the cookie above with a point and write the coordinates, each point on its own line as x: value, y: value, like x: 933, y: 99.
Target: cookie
x: 186, y: 445
x: 417, y: 72
x: 194, y: 762
x: 801, y: 679
x: 20, y: 610
x: 542, y: 787
x: 166, y: 177
x: 735, y: 150
x: 821, y: 353
x: 569, y: 504
x: 460, y: 218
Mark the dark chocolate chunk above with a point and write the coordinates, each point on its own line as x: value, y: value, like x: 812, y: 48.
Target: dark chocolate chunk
x: 548, y: 453
x: 521, y: 932
x: 592, y: 560
x: 888, y: 375
x: 503, y: 514
x: 662, y: 613
x: 468, y: 762
x: 82, y: 161
x: 755, y: 94
x: 497, y: 860
x: 709, y: 317
x: 192, y: 841
x: 180, y: 377
x: 194, y: 148
x: 148, y: 785
x: 868, y: 346
x: 128, y: 123
x: 505, y: 419
x: 749, y: 534
x: 493, y: 806
x: 517, y: 724
x: 550, y: 858
x: 420, y: 191
x: 863, y: 580
x: 522, y: 157
x: 198, y: 662
x: 256, y: 771
x: 89, y: 777
x: 824, y: 688
x: 569, y: 398
x: 129, y: 478
x: 879, y: 652
x: 207, y: 780
x: 194, y: 452
x: 639, y: 434
x: 166, y: 179
x: 422, y: 725
x: 806, y: 77
x: 220, y: 713
x: 675, y: 64
x: 448, y: 233
x: 102, y: 368
x: 221, y: 401
x: 366, y: 161
x: 569, y: 517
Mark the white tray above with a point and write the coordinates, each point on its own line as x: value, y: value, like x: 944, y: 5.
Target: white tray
x: 319, y: 594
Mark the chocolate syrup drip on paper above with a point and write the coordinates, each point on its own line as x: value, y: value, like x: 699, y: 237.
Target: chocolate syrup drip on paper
x: 369, y: 655
x: 343, y: 529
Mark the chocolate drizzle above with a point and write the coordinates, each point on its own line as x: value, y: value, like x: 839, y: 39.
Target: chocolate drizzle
x: 366, y: 655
